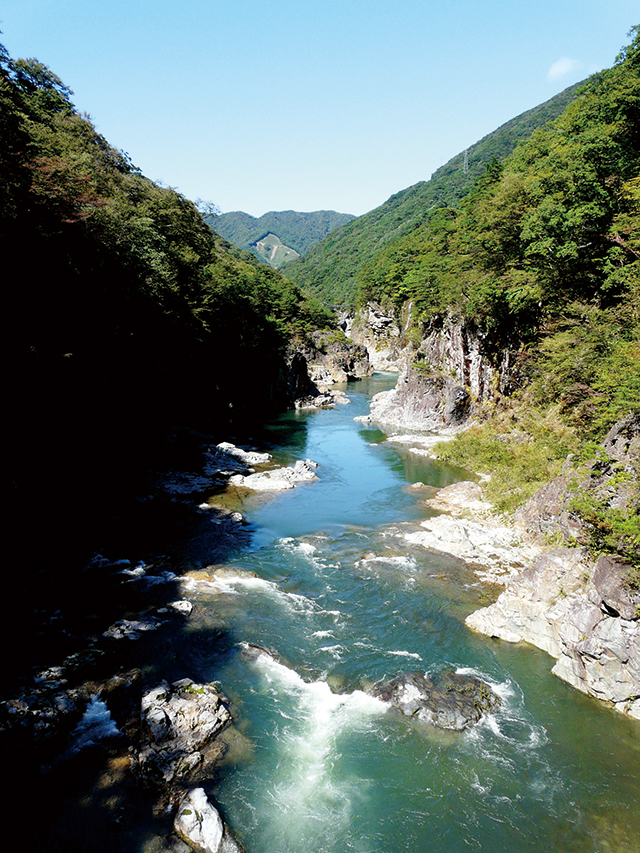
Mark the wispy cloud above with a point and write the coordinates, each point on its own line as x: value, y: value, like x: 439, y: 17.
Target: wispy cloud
x: 562, y: 67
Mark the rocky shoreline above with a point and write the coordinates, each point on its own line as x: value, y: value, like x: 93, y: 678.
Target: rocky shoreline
x: 578, y: 608
x: 151, y: 744
x: 575, y: 607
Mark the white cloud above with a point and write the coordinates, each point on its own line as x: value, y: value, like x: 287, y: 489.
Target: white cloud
x: 562, y: 67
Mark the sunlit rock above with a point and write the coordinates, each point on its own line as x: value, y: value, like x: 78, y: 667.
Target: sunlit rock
x: 198, y: 823
x: 280, y: 479
x: 448, y: 700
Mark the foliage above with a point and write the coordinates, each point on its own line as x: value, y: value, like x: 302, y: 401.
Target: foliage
x: 612, y: 528
x: 332, y: 268
x: 119, y: 270
x: 125, y: 315
x: 299, y: 231
x: 522, y: 448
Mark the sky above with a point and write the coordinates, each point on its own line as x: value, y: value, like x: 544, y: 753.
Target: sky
x: 260, y: 105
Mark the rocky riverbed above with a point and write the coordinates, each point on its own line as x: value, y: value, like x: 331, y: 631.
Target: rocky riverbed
x: 577, y: 608
x: 97, y: 723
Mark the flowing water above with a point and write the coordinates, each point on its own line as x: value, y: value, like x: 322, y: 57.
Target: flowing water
x: 331, y: 588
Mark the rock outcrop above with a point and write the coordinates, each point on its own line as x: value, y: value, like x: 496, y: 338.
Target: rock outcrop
x: 331, y: 357
x: 573, y: 611
x: 199, y: 825
x: 179, y: 722
x: 278, y: 479
x: 446, y: 369
x: 378, y: 330
x: 448, y: 700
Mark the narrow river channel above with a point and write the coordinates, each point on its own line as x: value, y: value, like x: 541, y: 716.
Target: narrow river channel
x: 331, y: 586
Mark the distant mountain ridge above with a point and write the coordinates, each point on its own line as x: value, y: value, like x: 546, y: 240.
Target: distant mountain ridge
x: 277, y: 236
x: 329, y: 269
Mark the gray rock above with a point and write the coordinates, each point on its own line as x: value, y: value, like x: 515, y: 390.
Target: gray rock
x: 553, y: 606
x: 198, y: 823
x: 177, y: 722
x: 280, y: 479
x: 447, y: 701
x: 622, y: 442
x: 611, y: 593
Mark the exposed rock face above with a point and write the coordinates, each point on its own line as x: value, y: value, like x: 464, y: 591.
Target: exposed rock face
x: 198, y: 823
x: 493, y: 546
x: 422, y: 401
x: 379, y: 332
x: 293, y: 380
x: 610, y: 593
x: 279, y: 479
x: 443, y: 378
x: 331, y: 357
x: 559, y: 605
x: 549, y: 513
x: 448, y: 700
x: 584, y: 615
x: 178, y: 722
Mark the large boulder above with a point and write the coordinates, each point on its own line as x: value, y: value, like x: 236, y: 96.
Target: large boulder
x: 198, y: 823
x: 448, y: 700
x: 587, y: 620
x: 178, y: 721
x: 611, y: 593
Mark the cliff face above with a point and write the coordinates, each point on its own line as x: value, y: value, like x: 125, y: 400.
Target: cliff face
x: 582, y: 612
x: 331, y: 357
x: 446, y: 370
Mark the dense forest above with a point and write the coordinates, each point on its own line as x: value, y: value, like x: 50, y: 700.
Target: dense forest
x: 296, y: 230
x: 330, y: 269
x: 125, y: 316
x: 543, y: 258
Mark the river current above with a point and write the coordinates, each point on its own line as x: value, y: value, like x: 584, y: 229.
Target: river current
x: 330, y: 586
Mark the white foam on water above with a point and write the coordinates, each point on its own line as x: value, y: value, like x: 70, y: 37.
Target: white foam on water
x: 236, y: 584
x: 403, y: 654
x: 95, y: 725
x: 305, y: 802
x: 304, y: 549
x: 322, y: 635
x: 507, y: 738
x: 335, y: 651
x: 399, y: 561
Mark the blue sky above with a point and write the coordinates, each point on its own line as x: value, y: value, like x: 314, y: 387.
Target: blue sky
x: 263, y: 105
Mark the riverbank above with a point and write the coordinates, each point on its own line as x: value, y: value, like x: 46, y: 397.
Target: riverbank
x: 78, y: 717
x: 575, y: 607
x: 335, y: 600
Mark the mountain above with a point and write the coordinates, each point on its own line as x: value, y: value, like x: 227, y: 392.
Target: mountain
x: 329, y: 269
x: 125, y: 315
x: 278, y: 236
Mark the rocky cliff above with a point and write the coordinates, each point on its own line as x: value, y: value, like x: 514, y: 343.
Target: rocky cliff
x: 583, y: 612
x: 332, y: 357
x: 447, y: 369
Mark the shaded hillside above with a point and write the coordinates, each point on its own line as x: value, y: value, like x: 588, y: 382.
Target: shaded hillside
x: 295, y: 231
x: 329, y: 270
x: 125, y: 317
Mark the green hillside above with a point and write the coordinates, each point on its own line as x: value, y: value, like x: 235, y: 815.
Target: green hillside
x: 125, y: 315
x: 297, y: 231
x: 543, y: 258
x: 329, y: 270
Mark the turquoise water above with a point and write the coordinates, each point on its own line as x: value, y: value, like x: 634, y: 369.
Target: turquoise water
x: 340, y: 600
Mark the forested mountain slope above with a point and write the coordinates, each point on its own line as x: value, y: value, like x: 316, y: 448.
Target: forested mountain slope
x: 542, y: 261
x: 124, y: 314
x: 297, y: 231
x: 329, y: 270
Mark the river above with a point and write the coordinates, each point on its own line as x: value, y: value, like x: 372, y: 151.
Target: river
x: 331, y: 586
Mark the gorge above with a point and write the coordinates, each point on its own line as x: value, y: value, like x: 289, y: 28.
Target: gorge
x: 285, y: 577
